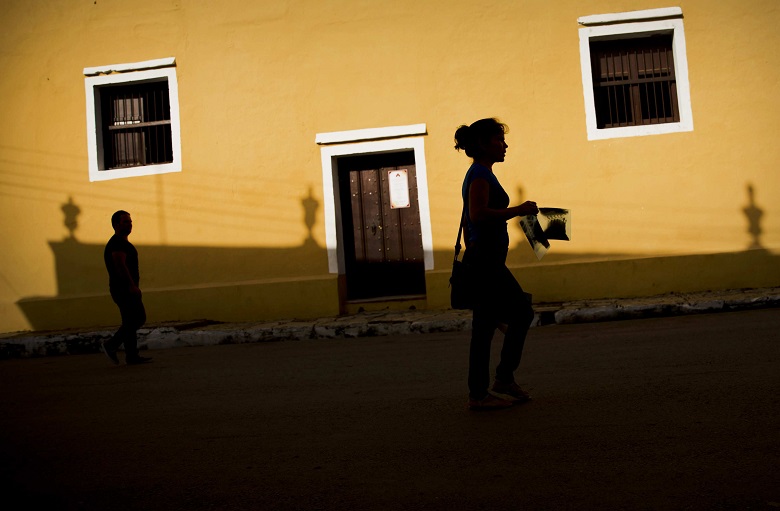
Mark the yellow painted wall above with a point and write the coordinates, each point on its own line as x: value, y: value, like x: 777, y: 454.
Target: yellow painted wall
x: 226, y: 237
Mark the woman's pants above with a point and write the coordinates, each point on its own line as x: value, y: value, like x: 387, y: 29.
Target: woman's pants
x: 499, y: 299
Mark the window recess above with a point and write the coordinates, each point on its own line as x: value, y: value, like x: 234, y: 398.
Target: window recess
x: 634, y: 81
x: 137, y: 130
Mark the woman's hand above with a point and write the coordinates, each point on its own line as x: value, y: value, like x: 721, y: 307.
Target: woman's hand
x: 527, y: 208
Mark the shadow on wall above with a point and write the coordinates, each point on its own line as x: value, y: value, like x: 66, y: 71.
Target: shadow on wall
x: 80, y: 268
x: 753, y: 214
x: 81, y: 274
x: 166, y: 271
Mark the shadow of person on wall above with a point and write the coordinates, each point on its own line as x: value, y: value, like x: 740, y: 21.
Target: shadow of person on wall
x: 310, y: 207
x: 753, y: 214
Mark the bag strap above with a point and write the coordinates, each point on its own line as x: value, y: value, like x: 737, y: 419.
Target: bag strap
x: 462, y: 221
x: 460, y: 232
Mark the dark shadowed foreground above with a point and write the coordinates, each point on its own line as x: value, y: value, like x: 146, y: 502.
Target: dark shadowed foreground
x: 672, y: 413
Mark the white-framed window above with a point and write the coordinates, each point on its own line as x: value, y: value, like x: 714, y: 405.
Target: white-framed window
x: 133, y: 124
x: 335, y: 145
x: 635, y: 74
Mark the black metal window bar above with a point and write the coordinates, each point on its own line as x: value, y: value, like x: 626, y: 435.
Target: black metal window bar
x: 634, y: 81
x: 136, y: 125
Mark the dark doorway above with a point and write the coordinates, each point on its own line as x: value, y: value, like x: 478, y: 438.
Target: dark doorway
x: 382, y: 237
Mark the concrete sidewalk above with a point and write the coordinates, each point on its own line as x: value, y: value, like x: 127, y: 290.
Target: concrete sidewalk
x: 369, y: 324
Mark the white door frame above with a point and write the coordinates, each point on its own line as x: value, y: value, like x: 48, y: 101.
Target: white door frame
x: 370, y: 141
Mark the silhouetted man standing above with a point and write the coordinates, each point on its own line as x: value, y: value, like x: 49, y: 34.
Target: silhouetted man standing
x: 121, y: 260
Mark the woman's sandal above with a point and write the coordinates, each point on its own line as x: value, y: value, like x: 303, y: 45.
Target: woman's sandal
x: 513, y: 391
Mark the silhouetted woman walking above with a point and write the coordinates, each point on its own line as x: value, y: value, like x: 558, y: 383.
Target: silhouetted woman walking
x: 499, y: 300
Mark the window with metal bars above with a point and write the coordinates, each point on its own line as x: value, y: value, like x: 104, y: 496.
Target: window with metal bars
x: 136, y: 124
x: 634, y: 81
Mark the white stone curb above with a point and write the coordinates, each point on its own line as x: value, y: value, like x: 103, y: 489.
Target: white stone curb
x: 383, y: 324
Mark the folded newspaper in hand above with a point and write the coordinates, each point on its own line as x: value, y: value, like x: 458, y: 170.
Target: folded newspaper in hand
x: 549, y: 224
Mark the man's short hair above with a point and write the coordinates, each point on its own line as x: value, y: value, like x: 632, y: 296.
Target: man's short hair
x: 116, y: 217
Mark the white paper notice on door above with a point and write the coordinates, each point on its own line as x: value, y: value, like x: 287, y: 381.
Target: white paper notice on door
x: 398, y: 181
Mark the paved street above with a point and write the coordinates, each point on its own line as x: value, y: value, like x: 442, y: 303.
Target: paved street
x: 665, y: 413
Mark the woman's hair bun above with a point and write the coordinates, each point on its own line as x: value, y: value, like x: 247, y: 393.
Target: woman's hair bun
x: 463, y: 137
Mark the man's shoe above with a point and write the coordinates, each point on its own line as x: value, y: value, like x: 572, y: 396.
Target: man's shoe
x: 511, y: 390
x: 138, y: 360
x: 489, y: 402
x: 111, y: 354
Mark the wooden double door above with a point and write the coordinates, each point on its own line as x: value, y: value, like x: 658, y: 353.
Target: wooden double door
x: 381, y: 231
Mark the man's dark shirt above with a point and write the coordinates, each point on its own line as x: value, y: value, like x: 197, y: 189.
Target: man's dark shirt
x: 117, y: 282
